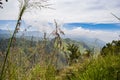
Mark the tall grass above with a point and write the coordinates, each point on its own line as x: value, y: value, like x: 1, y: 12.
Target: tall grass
x: 32, y: 63
x: 102, y: 68
x: 24, y: 5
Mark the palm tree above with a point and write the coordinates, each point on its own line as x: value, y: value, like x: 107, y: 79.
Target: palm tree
x: 74, y: 52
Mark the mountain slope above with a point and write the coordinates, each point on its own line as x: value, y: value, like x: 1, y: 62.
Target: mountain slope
x: 82, y: 42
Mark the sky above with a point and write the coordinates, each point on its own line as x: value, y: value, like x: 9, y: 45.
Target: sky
x: 90, y: 18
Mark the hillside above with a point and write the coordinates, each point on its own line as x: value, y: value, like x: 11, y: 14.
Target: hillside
x: 83, y: 42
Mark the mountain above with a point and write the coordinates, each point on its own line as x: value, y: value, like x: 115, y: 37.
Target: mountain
x: 86, y: 43
x: 28, y: 34
x: 4, y: 31
x: 4, y: 34
x: 92, y: 42
x: 82, y: 42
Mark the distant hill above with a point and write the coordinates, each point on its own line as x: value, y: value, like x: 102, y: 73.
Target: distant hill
x: 87, y: 43
x: 32, y: 39
x: 91, y: 42
x: 4, y: 31
x: 4, y: 34
x: 83, y: 42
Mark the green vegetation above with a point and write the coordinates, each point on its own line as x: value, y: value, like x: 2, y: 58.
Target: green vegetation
x: 56, y: 58
x: 31, y: 60
x: 102, y: 68
x: 74, y: 52
x: 111, y: 48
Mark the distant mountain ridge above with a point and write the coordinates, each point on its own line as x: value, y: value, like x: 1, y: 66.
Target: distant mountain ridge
x: 91, y: 41
x: 4, y: 31
x: 82, y: 42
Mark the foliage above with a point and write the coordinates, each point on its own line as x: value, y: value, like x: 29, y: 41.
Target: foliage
x: 23, y: 59
x: 23, y: 65
x: 74, y: 52
x: 111, y: 48
x: 24, y: 5
x: 102, y: 68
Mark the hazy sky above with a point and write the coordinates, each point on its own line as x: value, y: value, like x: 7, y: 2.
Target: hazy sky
x: 89, y: 18
x: 96, y: 11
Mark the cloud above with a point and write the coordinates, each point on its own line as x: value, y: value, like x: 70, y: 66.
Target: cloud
x: 67, y: 11
x: 106, y: 36
x: 76, y: 32
x: 4, y: 27
x: 90, y: 11
x: 41, y: 26
x: 10, y: 10
x: 10, y: 25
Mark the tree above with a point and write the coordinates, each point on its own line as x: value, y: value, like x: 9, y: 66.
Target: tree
x: 111, y: 48
x: 74, y: 52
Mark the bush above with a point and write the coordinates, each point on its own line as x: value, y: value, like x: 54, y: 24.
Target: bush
x: 111, y: 48
x: 102, y: 68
